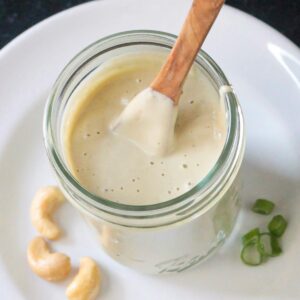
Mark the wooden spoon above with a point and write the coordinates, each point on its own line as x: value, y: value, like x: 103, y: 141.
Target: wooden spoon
x: 197, y: 24
x: 148, y: 121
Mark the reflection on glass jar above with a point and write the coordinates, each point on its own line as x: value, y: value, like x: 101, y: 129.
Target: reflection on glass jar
x: 166, y: 237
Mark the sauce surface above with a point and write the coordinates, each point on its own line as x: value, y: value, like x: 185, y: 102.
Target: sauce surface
x: 113, y: 168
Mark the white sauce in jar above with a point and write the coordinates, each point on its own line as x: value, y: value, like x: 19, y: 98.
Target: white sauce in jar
x: 111, y: 167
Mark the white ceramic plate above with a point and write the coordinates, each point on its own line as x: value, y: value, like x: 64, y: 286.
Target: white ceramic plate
x: 263, y: 66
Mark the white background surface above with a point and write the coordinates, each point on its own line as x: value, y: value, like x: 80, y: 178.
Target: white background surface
x: 264, y: 68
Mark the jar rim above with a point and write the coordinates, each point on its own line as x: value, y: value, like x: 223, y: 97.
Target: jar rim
x: 233, y: 120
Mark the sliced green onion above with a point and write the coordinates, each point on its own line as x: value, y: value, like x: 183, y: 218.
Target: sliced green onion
x: 276, y: 249
x: 264, y: 244
x: 251, y: 236
x: 263, y: 206
x: 269, y: 245
x: 277, y: 225
x: 250, y: 254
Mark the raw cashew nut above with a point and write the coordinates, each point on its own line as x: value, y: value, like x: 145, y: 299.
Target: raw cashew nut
x: 50, y: 266
x: 44, y: 203
x: 86, y: 284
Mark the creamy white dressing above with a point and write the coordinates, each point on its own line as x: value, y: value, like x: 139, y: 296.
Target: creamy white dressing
x: 108, y: 165
x: 148, y: 121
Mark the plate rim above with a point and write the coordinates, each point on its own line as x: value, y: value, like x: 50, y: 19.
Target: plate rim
x: 39, y: 26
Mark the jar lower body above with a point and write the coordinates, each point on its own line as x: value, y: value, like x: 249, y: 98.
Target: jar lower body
x: 173, y: 248
x: 165, y: 249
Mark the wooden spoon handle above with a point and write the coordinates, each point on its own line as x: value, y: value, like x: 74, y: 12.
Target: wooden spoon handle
x: 200, y: 18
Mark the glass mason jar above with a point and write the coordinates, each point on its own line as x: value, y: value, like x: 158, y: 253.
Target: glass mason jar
x: 166, y: 237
